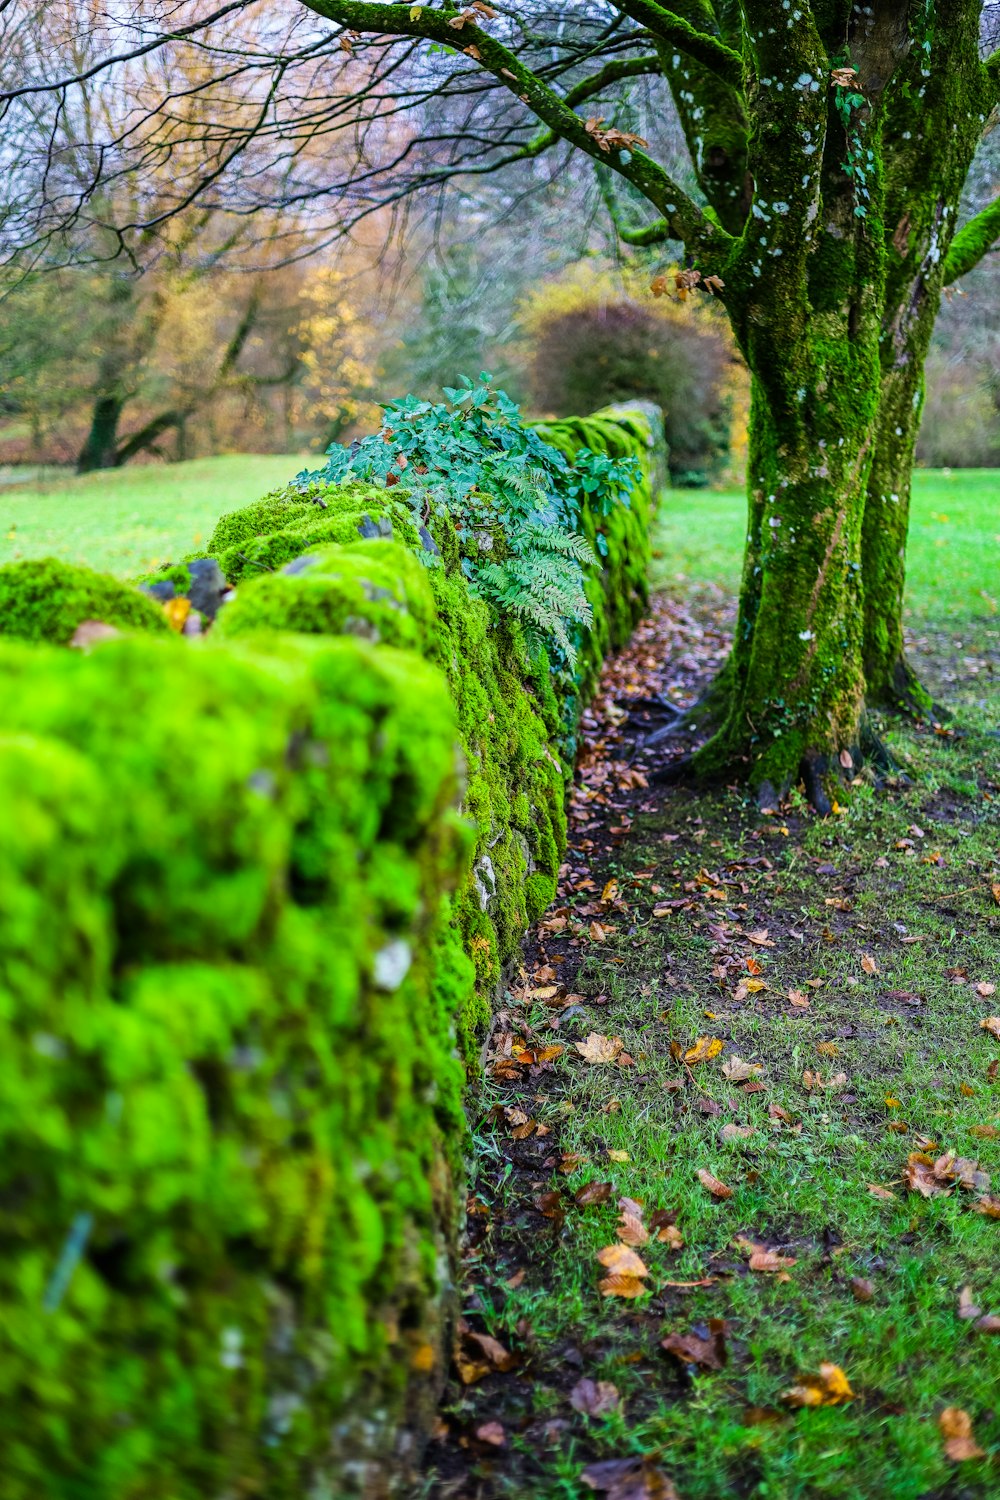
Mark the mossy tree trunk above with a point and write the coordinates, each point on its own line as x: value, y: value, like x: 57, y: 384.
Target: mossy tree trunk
x: 830, y: 143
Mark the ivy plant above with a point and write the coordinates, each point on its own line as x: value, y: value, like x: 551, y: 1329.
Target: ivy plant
x: 515, y: 500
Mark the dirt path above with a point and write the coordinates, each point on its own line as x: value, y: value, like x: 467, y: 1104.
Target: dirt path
x: 713, y: 1247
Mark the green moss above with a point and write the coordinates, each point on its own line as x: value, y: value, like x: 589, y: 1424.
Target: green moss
x: 203, y: 1056
x: 45, y: 600
x: 377, y: 590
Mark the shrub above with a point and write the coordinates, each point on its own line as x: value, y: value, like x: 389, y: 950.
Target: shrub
x: 594, y: 338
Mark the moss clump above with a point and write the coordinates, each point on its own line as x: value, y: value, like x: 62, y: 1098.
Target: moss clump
x: 231, y: 1105
x: 377, y: 590
x: 270, y: 533
x: 45, y: 600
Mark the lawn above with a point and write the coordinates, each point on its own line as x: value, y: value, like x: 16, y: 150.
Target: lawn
x: 128, y: 521
x: 953, y: 554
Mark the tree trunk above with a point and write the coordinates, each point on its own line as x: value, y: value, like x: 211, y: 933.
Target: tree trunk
x: 795, y: 680
x: 101, y: 448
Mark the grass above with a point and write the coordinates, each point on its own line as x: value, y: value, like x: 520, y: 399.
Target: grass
x: 128, y: 521
x: 952, y: 554
x: 912, y: 860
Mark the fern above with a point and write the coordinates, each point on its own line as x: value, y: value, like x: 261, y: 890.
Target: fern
x: 514, y: 499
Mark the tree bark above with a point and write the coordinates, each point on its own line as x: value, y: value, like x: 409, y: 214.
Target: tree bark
x: 101, y: 448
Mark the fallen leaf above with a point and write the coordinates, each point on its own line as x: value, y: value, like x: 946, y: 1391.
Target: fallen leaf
x: 593, y: 1192
x: 769, y: 1260
x: 715, y: 1187
x: 760, y: 939
x: 868, y: 964
x: 956, y: 1428
x: 816, y: 1081
x: 598, y: 934
x: 985, y: 1132
x: 628, y: 1479
x: 599, y: 1049
x: 829, y: 1388
x: 492, y: 1433
x: 967, y: 1309
x: 736, y: 1132
x: 705, y: 1352
x: 622, y: 1261
x: 992, y: 1025
x: 619, y: 1284
x: 631, y: 1230
x: 863, y: 1289
x: 736, y: 1070
x: 704, y: 1049
x: 984, y: 988
x: 988, y: 1205
x: 670, y: 1235
x: 614, y: 1155
x: 798, y: 999
x: 881, y: 1192
x: 988, y: 1323
x: 594, y: 1398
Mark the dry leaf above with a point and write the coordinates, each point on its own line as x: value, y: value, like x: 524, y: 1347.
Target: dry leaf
x: 816, y: 1081
x: 863, y: 1289
x: 492, y: 1433
x: 829, y: 1388
x: 868, y: 964
x: 704, y: 1049
x: 631, y: 1229
x: 594, y: 1398
x: 992, y: 1025
x: 956, y: 1428
x: 715, y: 1187
x: 599, y: 1049
x: 670, y: 1235
x: 614, y: 1155
x: 988, y: 1205
x: 597, y: 933
x: 737, y: 1071
x: 798, y: 999
x: 967, y: 1309
x: 593, y: 1192
x: 760, y: 939
x: 620, y: 1285
x: 769, y: 1260
x: 984, y: 988
x: 628, y: 1479
x: 736, y: 1132
x: 881, y: 1192
x: 694, y: 1349
x: 622, y: 1260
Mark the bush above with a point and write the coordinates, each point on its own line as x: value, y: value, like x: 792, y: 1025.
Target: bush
x: 593, y: 338
x: 958, y: 429
x: 248, y: 949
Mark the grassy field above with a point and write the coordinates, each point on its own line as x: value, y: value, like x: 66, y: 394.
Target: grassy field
x: 128, y: 521
x: 952, y: 558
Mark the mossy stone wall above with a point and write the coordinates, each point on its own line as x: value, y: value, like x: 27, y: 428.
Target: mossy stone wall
x: 255, y: 898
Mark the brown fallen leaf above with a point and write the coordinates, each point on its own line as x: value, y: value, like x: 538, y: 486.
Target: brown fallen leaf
x: 735, y: 1070
x: 619, y: 1284
x: 955, y: 1426
x: 988, y: 1204
x: 760, y: 939
x: 598, y: 934
x: 594, y: 1398
x: 770, y: 1261
x: 478, y: 1354
x: 671, y: 1236
x: 704, y: 1049
x: 799, y: 999
x: 616, y: 1155
x: 829, y: 1388
x: 881, y: 1192
x: 593, y: 1192
x: 988, y: 1323
x: 992, y: 1025
x: 736, y: 1132
x: 631, y: 1230
x: 628, y: 1479
x: 984, y: 989
x: 492, y: 1433
x: 599, y: 1049
x: 967, y: 1309
x: 622, y: 1261
x: 715, y: 1187
x: 863, y: 1289
x: 705, y: 1352
x: 868, y: 964
x: 813, y: 1080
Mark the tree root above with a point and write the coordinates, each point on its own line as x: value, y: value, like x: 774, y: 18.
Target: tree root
x: 904, y: 694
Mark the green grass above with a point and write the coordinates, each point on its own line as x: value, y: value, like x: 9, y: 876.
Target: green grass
x: 952, y: 555
x: 128, y: 521
x: 912, y: 859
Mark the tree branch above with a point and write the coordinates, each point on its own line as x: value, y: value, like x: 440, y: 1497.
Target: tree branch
x: 674, y: 31
x: 453, y: 28
x: 972, y: 242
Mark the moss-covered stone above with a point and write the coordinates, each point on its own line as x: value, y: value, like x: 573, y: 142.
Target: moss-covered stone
x: 45, y: 600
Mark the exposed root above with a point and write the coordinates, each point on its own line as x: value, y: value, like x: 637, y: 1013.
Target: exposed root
x: 904, y: 694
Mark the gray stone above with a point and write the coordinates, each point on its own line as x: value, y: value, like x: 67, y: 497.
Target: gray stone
x: 300, y: 564
x: 207, y: 586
